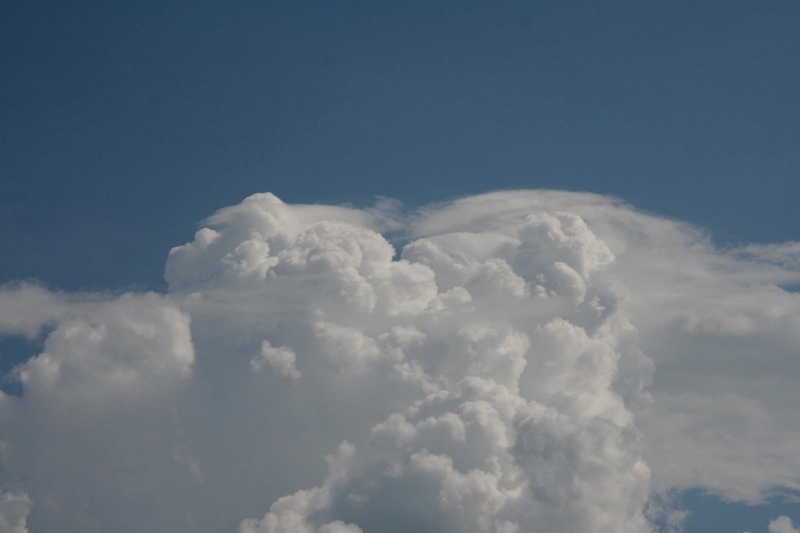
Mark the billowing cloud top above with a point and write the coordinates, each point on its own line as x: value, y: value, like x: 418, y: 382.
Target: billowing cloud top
x: 530, y: 361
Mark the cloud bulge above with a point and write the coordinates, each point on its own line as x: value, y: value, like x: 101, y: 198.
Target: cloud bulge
x: 529, y: 360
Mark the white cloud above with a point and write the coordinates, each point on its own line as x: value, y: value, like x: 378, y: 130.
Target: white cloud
x: 14, y: 510
x: 721, y: 332
x: 93, y: 432
x: 281, y: 359
x: 25, y: 309
x: 782, y: 524
x: 533, y: 360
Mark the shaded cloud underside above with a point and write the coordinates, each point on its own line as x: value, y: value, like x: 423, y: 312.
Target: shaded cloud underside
x: 532, y: 360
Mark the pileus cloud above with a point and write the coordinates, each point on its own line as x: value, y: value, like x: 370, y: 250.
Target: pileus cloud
x: 532, y: 360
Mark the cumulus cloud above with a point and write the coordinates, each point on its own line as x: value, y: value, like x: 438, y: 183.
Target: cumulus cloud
x: 26, y: 308
x: 782, y: 524
x: 529, y: 360
x: 281, y: 359
x: 88, y: 431
x: 14, y: 509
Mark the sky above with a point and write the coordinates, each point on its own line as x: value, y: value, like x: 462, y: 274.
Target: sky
x: 321, y: 266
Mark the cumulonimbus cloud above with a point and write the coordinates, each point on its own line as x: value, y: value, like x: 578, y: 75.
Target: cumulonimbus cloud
x: 531, y: 360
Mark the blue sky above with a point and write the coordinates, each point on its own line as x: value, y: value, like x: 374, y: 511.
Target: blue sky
x: 124, y: 124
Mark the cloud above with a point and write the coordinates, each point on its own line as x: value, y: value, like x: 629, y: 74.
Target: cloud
x: 92, y: 434
x: 14, y: 510
x: 529, y: 360
x: 26, y: 308
x: 721, y: 331
x: 281, y: 359
x: 782, y: 524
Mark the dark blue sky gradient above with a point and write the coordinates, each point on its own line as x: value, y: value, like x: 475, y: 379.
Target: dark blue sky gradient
x: 125, y: 123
